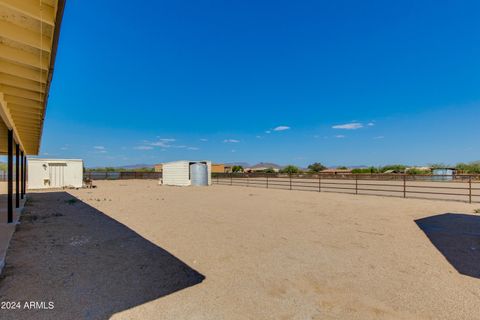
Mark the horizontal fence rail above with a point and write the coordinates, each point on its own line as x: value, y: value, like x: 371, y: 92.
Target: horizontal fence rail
x: 120, y: 175
x: 441, y: 187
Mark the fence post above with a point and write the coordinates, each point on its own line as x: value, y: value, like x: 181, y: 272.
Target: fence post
x: 290, y: 181
x: 248, y: 181
x: 231, y: 179
x: 404, y: 185
x: 319, y: 183
x: 470, y: 190
x: 356, y: 184
x: 267, y: 180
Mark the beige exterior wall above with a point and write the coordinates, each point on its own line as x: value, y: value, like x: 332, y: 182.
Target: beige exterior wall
x: 221, y: 168
x: 218, y: 168
x: 54, y: 173
x: 177, y: 173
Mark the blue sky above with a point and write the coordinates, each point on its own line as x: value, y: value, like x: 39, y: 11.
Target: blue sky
x: 291, y: 82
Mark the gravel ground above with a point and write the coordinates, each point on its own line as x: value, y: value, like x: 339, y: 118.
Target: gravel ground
x: 136, y: 250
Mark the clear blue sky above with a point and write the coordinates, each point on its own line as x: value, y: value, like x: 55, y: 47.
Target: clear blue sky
x: 351, y: 82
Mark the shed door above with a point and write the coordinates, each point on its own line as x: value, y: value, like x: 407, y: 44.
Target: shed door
x: 56, y: 174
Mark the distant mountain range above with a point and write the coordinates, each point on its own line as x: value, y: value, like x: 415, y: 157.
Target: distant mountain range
x: 258, y: 165
x: 243, y: 164
x: 267, y: 165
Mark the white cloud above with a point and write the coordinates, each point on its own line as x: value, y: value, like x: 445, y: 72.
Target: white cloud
x: 281, y: 128
x: 231, y: 141
x: 63, y: 148
x: 100, y: 149
x: 348, y: 126
x: 378, y: 137
x: 259, y: 137
x: 143, y: 148
x: 204, y: 140
x: 268, y: 132
x: 164, y: 144
x: 339, y: 136
x: 160, y: 143
x: 371, y: 124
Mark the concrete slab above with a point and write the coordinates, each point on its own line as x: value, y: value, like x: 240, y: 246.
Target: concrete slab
x: 7, y: 229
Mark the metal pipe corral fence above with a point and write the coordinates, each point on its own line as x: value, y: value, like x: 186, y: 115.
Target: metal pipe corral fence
x: 439, y: 187
x: 121, y: 175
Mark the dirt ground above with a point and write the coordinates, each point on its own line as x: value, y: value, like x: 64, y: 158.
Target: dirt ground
x: 136, y: 250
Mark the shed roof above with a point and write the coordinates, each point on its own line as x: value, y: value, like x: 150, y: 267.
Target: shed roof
x: 45, y: 159
x: 185, y: 161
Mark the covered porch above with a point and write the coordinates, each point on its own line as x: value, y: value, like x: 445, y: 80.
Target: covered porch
x: 29, y: 32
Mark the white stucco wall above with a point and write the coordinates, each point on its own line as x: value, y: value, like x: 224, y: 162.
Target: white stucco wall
x: 177, y: 173
x: 54, y: 173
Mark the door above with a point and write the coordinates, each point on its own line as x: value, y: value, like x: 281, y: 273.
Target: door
x: 56, y: 174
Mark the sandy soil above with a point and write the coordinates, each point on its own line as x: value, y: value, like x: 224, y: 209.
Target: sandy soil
x: 136, y: 250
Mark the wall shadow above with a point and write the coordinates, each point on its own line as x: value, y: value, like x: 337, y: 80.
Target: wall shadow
x: 90, y: 265
x: 457, y: 237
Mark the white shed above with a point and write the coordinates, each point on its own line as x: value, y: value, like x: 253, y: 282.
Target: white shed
x: 184, y: 173
x: 54, y: 173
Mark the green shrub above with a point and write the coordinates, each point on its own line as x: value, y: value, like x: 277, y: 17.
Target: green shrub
x: 290, y: 169
x: 418, y: 171
x: 71, y: 201
x: 472, y: 167
x: 366, y: 170
x: 316, y: 167
x: 237, y: 169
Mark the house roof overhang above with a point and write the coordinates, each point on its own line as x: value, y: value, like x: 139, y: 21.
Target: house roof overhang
x: 29, y: 33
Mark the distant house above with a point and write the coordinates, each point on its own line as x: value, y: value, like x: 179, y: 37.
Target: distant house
x: 221, y: 168
x: 444, y: 171
x: 422, y: 168
x: 158, y: 167
x: 443, y: 174
x: 393, y: 171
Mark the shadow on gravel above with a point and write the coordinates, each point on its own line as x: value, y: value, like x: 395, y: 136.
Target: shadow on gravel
x: 88, y: 264
x: 457, y: 237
